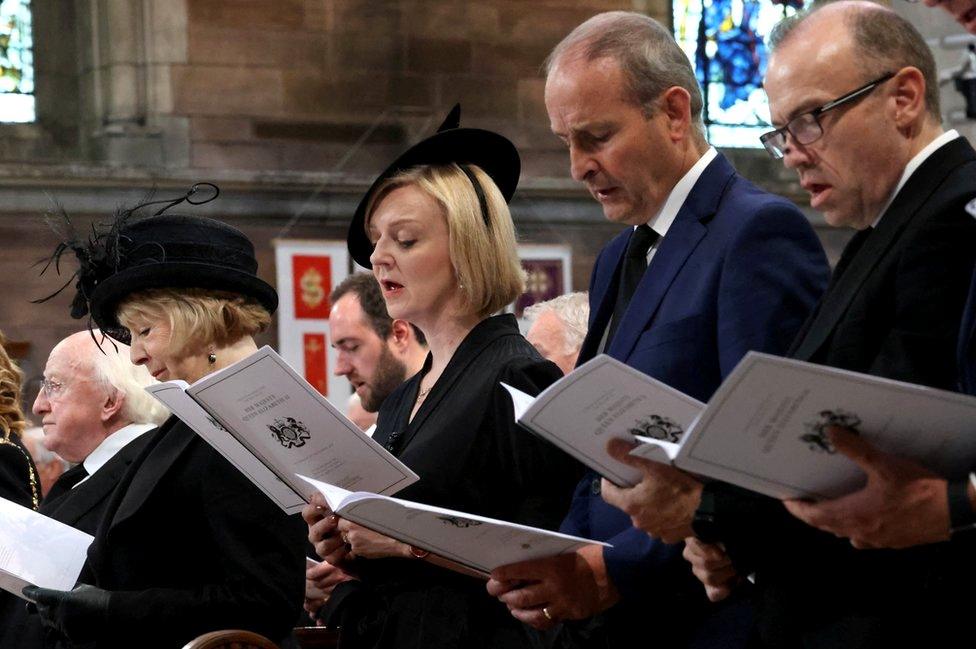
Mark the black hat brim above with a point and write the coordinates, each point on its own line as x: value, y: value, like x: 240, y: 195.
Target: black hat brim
x: 493, y: 153
x: 110, y: 292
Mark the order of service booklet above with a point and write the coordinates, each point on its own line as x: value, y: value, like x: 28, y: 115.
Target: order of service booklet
x: 271, y: 424
x: 37, y: 550
x: 764, y: 429
x: 476, y: 542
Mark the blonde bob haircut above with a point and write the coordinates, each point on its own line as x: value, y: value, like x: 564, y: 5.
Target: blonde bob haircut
x: 198, y: 318
x: 485, y: 259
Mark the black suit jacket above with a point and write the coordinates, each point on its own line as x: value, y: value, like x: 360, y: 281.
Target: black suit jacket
x: 188, y: 545
x: 470, y: 456
x: 81, y: 508
x: 893, y: 309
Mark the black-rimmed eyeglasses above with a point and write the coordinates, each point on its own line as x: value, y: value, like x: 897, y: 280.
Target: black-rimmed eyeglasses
x: 806, y: 128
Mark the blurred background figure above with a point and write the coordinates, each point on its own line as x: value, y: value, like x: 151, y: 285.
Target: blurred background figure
x: 557, y: 328
x: 18, y: 475
x: 964, y: 11
x: 359, y: 415
x: 49, y: 464
x: 373, y: 351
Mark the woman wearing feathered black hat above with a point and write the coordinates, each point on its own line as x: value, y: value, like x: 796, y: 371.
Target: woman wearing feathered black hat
x: 187, y: 544
x: 436, y: 230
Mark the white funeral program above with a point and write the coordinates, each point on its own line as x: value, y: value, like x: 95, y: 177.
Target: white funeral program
x: 601, y: 400
x: 37, y: 550
x: 271, y: 424
x: 479, y: 543
x: 764, y: 428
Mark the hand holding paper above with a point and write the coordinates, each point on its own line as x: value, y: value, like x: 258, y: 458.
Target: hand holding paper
x: 77, y: 614
x: 368, y: 544
x: 663, y: 503
x: 566, y: 587
x: 903, y: 504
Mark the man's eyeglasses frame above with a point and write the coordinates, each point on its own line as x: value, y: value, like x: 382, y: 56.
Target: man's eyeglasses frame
x: 775, y: 141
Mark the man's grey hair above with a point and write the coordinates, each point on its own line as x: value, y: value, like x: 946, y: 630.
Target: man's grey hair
x: 112, y: 368
x: 884, y: 41
x: 572, y: 309
x: 647, y: 53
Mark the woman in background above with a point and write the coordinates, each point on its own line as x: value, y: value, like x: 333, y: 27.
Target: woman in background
x: 18, y: 475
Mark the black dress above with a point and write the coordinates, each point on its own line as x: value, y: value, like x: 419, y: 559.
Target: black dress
x: 18, y: 483
x: 18, y: 475
x: 470, y: 456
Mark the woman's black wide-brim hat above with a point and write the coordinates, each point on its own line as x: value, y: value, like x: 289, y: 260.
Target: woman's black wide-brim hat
x: 136, y: 253
x: 493, y: 153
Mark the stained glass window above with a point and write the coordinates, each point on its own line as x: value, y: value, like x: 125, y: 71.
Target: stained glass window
x: 16, y: 62
x: 725, y: 40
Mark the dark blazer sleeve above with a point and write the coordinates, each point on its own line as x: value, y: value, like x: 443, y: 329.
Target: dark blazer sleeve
x: 16, y: 470
x: 260, y: 556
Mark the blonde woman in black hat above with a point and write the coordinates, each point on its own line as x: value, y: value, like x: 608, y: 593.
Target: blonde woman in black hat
x: 436, y: 229
x: 187, y: 545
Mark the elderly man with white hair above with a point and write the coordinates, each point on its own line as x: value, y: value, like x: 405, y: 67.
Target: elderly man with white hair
x: 95, y: 412
x: 557, y: 328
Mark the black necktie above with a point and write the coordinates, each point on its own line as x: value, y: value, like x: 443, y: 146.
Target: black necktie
x: 67, y: 481
x: 634, y: 266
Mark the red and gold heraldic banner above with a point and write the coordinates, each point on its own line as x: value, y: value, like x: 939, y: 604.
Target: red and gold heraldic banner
x: 311, y: 284
x: 316, y: 361
x: 307, y: 271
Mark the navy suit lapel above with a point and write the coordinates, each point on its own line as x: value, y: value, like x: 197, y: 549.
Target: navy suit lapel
x: 603, y: 296
x: 909, y: 202
x: 673, y: 251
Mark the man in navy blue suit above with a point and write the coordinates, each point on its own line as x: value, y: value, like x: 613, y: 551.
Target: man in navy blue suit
x: 707, y: 268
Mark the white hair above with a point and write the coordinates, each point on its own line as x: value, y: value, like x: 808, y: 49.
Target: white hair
x: 113, y: 369
x: 572, y: 309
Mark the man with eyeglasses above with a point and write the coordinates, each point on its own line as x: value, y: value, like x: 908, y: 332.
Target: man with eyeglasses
x: 854, y: 95
x: 94, y: 412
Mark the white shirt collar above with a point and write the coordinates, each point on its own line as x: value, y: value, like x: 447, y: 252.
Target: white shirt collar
x: 913, y: 166
x: 112, y: 445
x: 662, y: 221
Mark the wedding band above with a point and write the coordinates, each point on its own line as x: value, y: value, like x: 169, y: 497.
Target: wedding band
x: 545, y: 611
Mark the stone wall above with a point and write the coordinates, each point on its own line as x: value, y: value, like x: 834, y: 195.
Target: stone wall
x: 291, y: 106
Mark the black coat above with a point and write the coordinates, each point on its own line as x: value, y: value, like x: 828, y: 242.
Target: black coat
x: 470, y: 456
x: 19, y: 483
x: 188, y: 545
x: 893, y: 309
x: 18, y: 475
x: 81, y: 508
